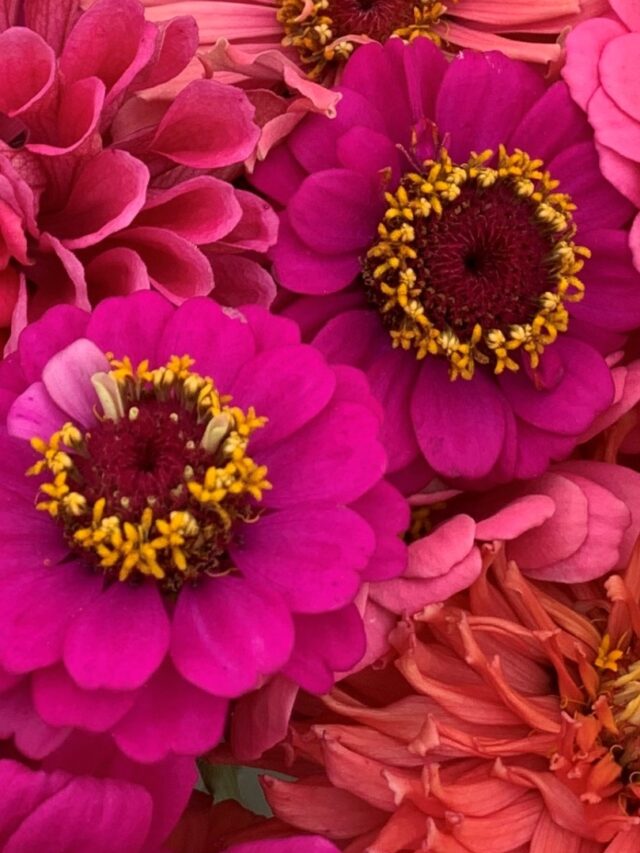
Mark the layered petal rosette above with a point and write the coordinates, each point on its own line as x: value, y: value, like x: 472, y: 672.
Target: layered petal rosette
x: 604, y: 78
x: 192, y: 500
x: 513, y: 727
x: 453, y: 223
x: 104, y: 193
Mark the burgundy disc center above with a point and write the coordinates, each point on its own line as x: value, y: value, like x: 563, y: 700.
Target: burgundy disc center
x: 377, y: 19
x: 484, y: 260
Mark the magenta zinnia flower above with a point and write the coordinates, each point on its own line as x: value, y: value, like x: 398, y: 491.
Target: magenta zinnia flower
x: 514, y: 727
x: 204, y: 497
x: 445, y: 217
x: 103, y: 193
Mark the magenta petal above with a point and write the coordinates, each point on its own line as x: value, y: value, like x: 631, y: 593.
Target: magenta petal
x: 387, y: 513
x: 302, y: 270
x: 67, y: 378
x: 461, y: 110
x: 445, y: 417
x: 261, y: 719
x: 208, y: 125
x: 269, y: 330
x: 108, y: 190
x: 77, y: 118
x: 227, y: 634
x: 201, y: 209
x: 370, y: 154
x: 120, y: 640
x: 312, y: 556
x: 37, y: 606
x: 543, y: 138
x: 32, y: 736
x: 116, y: 272
x: 326, y: 643
x: 353, y: 337
x: 100, y: 815
x: 241, y: 281
x: 52, y: 332
x: 171, y: 715
x: 288, y: 385
x: 54, y: 26
x: 34, y: 414
x: 347, y: 434
x: 585, y: 390
x: 60, y: 702
x: 131, y: 326
x: 256, y: 229
x: 176, y: 267
x: 336, y: 211
x: 219, y: 342
x: 279, y: 176
x: 27, y: 69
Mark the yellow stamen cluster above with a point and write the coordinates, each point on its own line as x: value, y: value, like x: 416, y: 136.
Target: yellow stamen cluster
x: 311, y: 30
x: 390, y: 266
x: 182, y: 544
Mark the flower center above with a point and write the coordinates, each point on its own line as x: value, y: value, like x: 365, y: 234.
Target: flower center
x: 475, y: 262
x: 160, y: 485
x: 320, y: 30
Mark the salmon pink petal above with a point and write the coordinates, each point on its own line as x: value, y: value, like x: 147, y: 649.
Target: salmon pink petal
x: 325, y: 643
x: 170, y: 715
x: 312, y: 557
x: 228, y: 634
x: 67, y: 379
x: 119, y: 641
x: 208, y: 125
x: 108, y: 190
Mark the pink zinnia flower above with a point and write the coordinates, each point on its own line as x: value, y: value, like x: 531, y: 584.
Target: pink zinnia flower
x: 102, y: 193
x: 603, y: 74
x: 88, y: 796
x: 421, y: 261
x: 205, y: 499
x: 513, y: 727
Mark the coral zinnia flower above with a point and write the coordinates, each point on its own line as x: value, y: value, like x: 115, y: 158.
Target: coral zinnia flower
x: 102, y: 193
x: 604, y: 77
x: 516, y: 727
x: 320, y: 35
x: 449, y: 211
x: 208, y: 499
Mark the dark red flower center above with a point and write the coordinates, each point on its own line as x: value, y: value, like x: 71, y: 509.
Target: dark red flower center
x: 161, y: 483
x: 475, y: 262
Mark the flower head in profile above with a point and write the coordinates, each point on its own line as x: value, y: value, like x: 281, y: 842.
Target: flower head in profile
x: 603, y: 75
x: 451, y: 233
x: 194, y: 500
x: 103, y: 192
x: 514, y: 726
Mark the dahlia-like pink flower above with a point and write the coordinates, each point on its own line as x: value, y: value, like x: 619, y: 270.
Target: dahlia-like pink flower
x: 103, y: 193
x: 88, y: 796
x: 190, y: 502
x: 438, y: 229
x: 603, y: 74
x: 513, y: 727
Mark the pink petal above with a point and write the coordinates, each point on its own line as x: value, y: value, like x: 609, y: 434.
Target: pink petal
x: 260, y: 719
x: 241, y: 281
x: 618, y: 72
x: 613, y: 127
x: 34, y: 414
x: 516, y: 518
x: 44, y: 337
x: 27, y: 69
x: 436, y: 553
x: 116, y: 272
x: 584, y: 47
x: 52, y: 19
x: 228, y: 634
x: 108, y: 190
x: 120, y: 640
x: 628, y: 12
x: 77, y: 116
x: 176, y: 43
x: 170, y: 715
x: 208, y: 125
x: 257, y: 228
x: 67, y: 379
x: 312, y: 557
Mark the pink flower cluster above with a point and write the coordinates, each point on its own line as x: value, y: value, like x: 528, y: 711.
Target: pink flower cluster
x: 319, y: 426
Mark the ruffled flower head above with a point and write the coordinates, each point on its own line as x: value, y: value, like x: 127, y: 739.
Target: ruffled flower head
x: 456, y: 225
x: 514, y: 726
x: 194, y: 500
x: 103, y: 192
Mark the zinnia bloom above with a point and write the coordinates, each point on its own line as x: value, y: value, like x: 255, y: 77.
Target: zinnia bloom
x: 514, y: 727
x: 452, y: 223
x: 190, y: 502
x: 603, y: 75
x: 88, y: 796
x: 102, y: 193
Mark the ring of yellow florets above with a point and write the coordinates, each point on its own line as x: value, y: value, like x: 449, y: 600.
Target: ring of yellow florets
x: 310, y: 29
x: 390, y: 266
x: 189, y: 541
